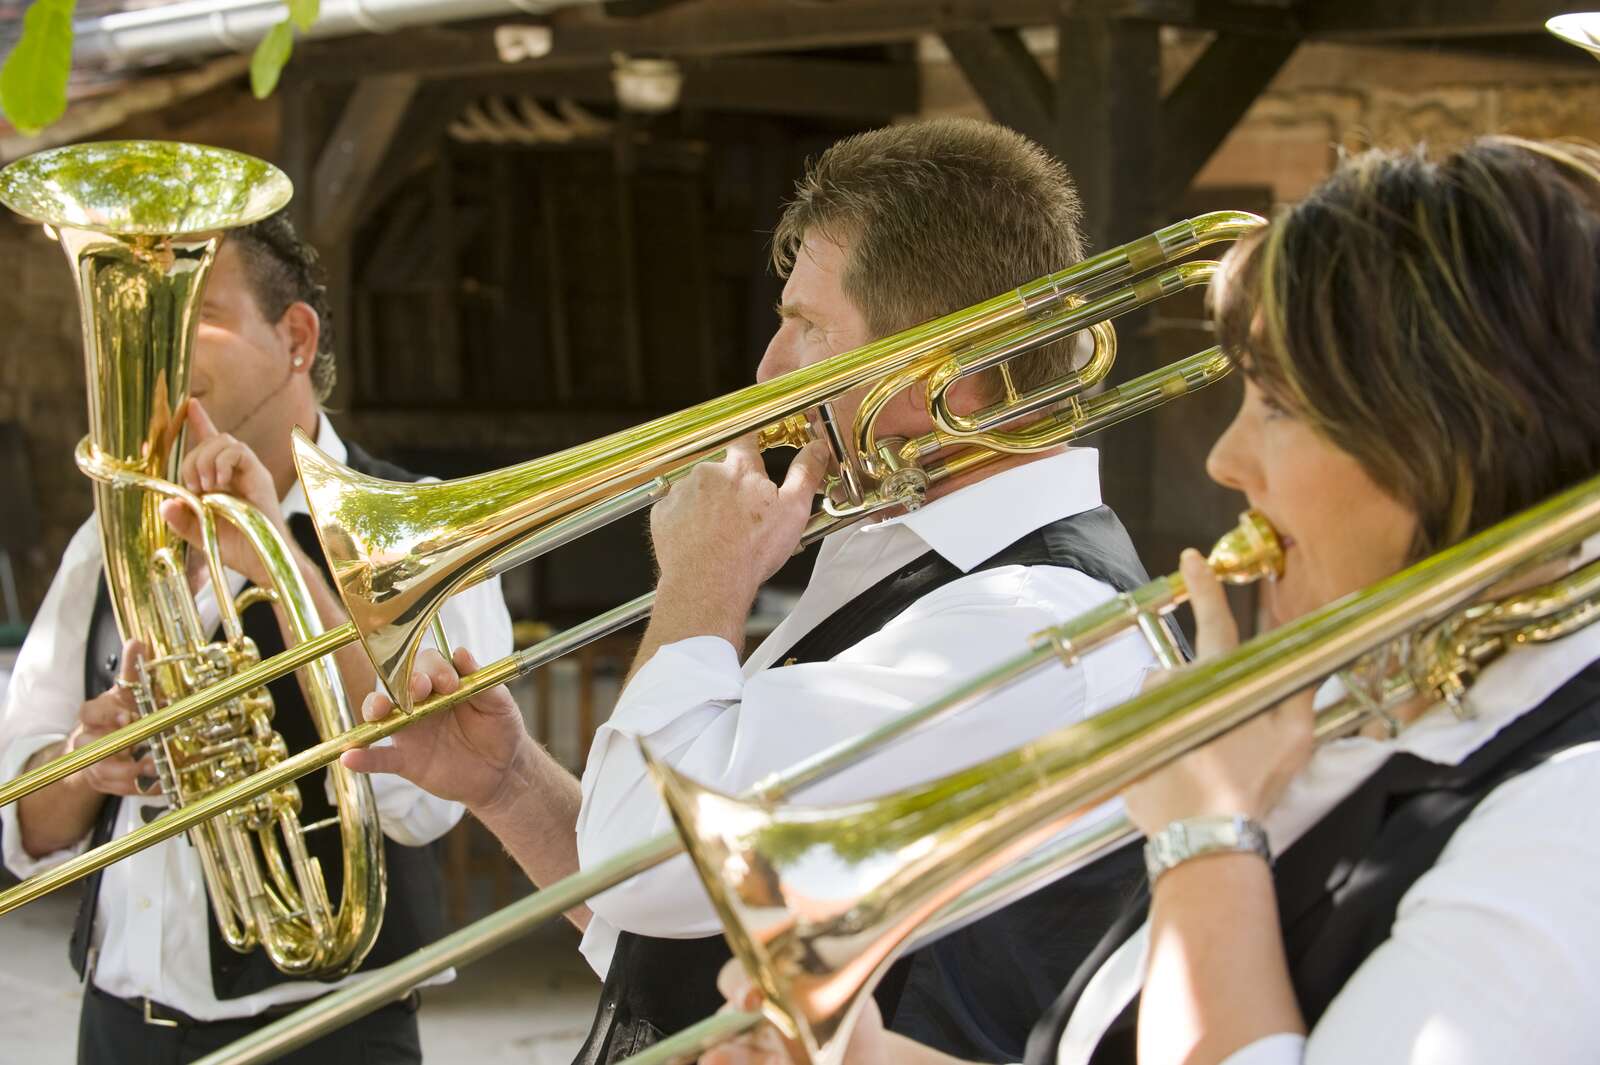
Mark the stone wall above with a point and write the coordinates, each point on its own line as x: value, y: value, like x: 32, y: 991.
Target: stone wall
x: 41, y: 355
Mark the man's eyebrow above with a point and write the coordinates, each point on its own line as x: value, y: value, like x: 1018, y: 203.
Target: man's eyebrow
x: 794, y: 310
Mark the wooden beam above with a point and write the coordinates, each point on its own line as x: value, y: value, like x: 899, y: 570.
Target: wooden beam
x: 827, y: 88
x: 584, y: 37
x: 1353, y: 20
x: 1202, y: 109
x: 354, y: 152
x: 1375, y: 20
x: 1108, y: 121
x: 1007, y: 78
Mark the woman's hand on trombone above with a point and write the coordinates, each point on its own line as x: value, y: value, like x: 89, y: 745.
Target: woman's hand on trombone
x: 869, y: 1043
x: 1247, y: 770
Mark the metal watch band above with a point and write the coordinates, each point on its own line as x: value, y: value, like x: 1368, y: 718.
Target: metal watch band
x: 1196, y: 836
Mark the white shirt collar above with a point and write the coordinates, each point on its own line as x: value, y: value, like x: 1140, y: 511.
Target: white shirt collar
x: 978, y: 521
x: 294, y: 501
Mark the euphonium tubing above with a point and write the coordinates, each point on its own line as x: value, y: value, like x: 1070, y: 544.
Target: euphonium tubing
x: 895, y: 862
x: 1248, y: 553
x: 1039, y: 312
x: 140, y: 222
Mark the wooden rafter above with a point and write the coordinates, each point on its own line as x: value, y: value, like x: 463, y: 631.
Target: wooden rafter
x: 1201, y: 110
x: 354, y: 152
x: 583, y: 37
x: 1006, y: 77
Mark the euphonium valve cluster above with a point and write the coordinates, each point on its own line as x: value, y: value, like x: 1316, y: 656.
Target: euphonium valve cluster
x: 140, y: 223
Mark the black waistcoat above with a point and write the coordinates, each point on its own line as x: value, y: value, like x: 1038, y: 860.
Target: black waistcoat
x: 974, y: 993
x: 413, y: 914
x: 1340, y: 884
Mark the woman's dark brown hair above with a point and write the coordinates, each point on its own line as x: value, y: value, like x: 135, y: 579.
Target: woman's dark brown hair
x: 1437, y: 320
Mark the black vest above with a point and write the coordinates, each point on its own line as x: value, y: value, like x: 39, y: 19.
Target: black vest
x: 413, y: 915
x: 974, y: 993
x: 1340, y: 884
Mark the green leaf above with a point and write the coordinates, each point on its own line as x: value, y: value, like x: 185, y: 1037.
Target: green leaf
x: 303, y: 13
x: 33, y: 82
x: 269, y: 59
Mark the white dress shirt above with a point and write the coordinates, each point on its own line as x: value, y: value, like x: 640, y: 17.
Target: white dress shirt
x: 152, y: 921
x: 728, y: 726
x: 1494, y: 955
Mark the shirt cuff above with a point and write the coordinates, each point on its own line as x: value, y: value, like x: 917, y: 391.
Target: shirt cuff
x: 1284, y: 1048
x: 20, y: 862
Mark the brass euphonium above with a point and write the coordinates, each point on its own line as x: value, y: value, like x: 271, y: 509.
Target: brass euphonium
x: 140, y: 223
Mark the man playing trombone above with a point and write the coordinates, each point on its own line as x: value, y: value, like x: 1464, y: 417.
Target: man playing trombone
x: 160, y: 979
x: 888, y: 229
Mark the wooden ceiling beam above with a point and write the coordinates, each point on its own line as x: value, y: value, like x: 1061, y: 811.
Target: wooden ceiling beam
x: 1200, y: 111
x: 1007, y: 78
x: 1379, y: 20
x: 585, y: 37
x: 356, y: 148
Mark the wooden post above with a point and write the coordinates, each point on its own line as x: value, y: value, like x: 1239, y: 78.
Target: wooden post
x: 1107, y: 115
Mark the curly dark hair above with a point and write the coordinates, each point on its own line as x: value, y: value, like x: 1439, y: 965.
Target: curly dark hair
x: 282, y: 269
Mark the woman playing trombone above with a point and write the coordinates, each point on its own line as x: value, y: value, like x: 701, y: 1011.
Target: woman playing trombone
x: 1420, y: 343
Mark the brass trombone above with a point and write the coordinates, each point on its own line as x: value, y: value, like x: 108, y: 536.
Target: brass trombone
x: 397, y: 551
x: 817, y: 902
x: 1248, y: 553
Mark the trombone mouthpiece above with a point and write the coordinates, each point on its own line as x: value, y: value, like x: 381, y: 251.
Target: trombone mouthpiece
x: 794, y: 431
x: 1249, y: 552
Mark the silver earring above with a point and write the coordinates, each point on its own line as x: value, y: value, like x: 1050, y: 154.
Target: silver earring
x: 299, y: 363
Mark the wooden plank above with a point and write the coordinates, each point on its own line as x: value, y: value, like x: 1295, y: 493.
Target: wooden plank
x: 1202, y: 109
x: 628, y: 275
x: 354, y: 152
x: 1108, y: 119
x: 417, y: 142
x: 828, y: 88
x: 556, y: 291
x: 1372, y: 20
x: 1007, y: 78
x: 584, y: 37
x: 1354, y: 20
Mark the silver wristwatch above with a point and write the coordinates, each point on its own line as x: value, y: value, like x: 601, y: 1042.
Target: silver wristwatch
x: 1194, y: 836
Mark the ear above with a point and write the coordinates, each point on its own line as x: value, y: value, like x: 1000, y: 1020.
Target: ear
x: 300, y: 329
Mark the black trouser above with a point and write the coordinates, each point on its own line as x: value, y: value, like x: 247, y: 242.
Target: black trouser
x: 114, y: 1032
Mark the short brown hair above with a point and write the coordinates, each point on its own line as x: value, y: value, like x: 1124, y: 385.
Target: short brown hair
x: 1437, y: 321
x: 935, y: 216
x: 283, y: 269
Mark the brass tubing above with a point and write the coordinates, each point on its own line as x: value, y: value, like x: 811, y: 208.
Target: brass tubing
x: 933, y: 842
x: 173, y: 822
x: 468, y: 944
x: 1050, y: 862
x: 145, y: 727
x: 483, y: 936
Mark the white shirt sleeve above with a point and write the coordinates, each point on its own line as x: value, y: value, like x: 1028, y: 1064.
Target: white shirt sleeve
x: 1285, y: 1048
x: 46, y: 689
x: 698, y: 712
x: 477, y: 620
x: 1495, y: 951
